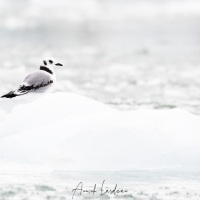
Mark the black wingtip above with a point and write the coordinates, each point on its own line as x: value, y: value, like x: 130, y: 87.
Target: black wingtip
x: 9, y: 95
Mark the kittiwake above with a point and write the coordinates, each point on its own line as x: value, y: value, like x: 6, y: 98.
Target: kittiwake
x: 39, y: 81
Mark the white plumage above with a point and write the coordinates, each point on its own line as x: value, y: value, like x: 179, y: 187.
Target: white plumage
x: 39, y: 81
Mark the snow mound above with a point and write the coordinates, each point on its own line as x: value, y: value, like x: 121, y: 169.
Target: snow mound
x: 64, y: 131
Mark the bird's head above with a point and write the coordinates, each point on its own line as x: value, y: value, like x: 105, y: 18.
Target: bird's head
x: 50, y: 63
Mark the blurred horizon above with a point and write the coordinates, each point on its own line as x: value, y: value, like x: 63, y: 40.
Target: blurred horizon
x: 129, y: 54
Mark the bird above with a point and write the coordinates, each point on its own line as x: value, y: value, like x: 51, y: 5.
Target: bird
x: 39, y: 81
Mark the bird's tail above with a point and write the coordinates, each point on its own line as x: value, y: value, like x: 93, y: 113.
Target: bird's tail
x: 13, y: 94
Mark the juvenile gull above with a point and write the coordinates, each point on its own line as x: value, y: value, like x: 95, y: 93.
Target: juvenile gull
x: 38, y: 81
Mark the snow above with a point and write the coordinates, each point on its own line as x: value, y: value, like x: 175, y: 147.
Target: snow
x: 65, y: 131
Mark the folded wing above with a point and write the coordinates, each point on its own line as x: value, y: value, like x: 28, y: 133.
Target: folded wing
x: 32, y: 82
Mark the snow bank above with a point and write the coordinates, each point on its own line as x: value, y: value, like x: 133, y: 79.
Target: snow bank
x: 63, y: 131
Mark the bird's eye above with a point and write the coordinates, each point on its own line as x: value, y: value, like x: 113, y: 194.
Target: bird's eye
x: 45, y: 63
x: 50, y: 61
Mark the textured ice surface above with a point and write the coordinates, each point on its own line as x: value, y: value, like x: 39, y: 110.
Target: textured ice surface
x: 127, y: 53
x: 145, y: 185
x: 71, y: 132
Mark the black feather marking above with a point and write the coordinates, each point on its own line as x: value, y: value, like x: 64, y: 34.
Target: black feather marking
x: 25, y: 88
x: 45, y: 63
x: 50, y: 61
x: 9, y: 95
x: 46, y: 69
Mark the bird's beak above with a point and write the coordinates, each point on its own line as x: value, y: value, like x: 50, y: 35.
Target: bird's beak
x: 58, y: 64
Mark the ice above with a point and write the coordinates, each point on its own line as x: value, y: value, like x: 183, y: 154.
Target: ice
x: 65, y: 131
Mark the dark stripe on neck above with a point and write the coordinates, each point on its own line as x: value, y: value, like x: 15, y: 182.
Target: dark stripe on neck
x: 46, y: 69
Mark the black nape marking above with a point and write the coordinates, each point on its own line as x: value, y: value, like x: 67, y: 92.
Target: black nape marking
x: 45, y: 63
x: 46, y: 69
x: 50, y: 61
